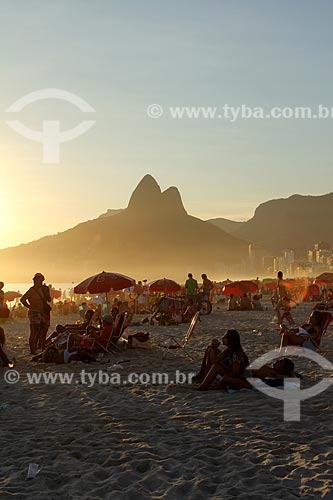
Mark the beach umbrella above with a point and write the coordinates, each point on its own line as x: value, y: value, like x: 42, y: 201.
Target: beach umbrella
x: 238, y: 288
x: 270, y: 286
x: 103, y: 283
x: 324, y: 279
x: 56, y: 294
x: 164, y: 285
x: 10, y: 296
x: 314, y: 289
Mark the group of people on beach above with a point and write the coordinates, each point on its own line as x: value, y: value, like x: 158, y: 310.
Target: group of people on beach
x: 221, y: 369
x: 228, y: 369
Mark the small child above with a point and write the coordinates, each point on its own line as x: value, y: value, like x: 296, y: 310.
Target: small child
x: 3, y: 357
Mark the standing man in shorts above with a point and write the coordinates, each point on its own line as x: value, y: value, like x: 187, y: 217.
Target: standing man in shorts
x: 207, y: 287
x: 37, y: 299
x: 282, y: 295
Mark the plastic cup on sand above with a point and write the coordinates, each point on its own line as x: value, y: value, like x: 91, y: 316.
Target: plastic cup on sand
x: 33, y: 470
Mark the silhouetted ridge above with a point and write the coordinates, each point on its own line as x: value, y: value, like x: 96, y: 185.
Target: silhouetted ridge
x: 145, y: 195
x: 153, y: 236
x: 172, y: 201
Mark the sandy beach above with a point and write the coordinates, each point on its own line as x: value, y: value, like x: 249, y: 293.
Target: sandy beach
x: 163, y: 441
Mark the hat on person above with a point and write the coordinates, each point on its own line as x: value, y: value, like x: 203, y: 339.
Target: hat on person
x: 108, y: 319
x: 39, y: 276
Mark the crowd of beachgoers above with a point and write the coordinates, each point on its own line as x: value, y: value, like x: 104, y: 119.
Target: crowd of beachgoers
x: 150, y: 439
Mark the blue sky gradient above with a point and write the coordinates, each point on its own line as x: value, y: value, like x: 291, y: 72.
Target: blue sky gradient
x: 121, y: 56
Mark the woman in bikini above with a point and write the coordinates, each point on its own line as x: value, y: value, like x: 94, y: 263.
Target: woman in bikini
x: 308, y: 336
x: 231, y: 362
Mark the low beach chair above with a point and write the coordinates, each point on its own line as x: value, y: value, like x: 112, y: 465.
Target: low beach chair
x: 109, y: 345
x: 182, y: 345
x: 120, y: 325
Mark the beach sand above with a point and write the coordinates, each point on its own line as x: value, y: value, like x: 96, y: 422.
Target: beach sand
x: 166, y: 441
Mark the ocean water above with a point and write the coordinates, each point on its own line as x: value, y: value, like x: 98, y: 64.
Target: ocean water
x: 23, y: 287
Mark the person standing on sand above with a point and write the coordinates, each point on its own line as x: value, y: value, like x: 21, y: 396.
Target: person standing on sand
x: 2, y: 294
x: 207, y: 287
x: 282, y: 295
x: 4, y: 361
x: 37, y: 299
x: 191, y: 288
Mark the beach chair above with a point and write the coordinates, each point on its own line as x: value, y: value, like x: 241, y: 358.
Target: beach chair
x: 94, y: 344
x: 118, y: 329
x: 325, y: 320
x: 182, y: 345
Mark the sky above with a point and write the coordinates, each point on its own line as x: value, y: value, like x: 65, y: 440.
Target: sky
x: 120, y: 56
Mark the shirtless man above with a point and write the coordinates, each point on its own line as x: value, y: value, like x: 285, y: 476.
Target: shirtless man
x: 282, y: 295
x: 37, y: 299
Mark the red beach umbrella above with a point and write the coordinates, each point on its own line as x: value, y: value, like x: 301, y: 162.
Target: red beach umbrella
x: 164, y: 285
x: 104, y: 283
x: 10, y: 296
x: 314, y: 289
x: 324, y: 279
x: 238, y: 288
x: 270, y: 285
x: 56, y: 294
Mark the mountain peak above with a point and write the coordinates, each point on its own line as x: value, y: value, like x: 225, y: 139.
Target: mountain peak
x: 146, y: 193
x: 172, y: 200
x: 147, y: 198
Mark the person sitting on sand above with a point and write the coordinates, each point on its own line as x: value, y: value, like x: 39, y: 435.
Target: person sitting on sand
x: 245, y: 303
x: 232, y: 361
x: 308, y: 336
x: 232, y: 303
x: 211, y: 356
x: 3, y: 356
x: 256, y: 304
x: 93, y: 334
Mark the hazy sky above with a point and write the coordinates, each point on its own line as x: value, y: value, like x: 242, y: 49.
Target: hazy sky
x: 121, y: 56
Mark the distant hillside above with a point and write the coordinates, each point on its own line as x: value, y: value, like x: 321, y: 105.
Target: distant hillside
x: 153, y: 237
x: 110, y: 212
x: 229, y: 226
x: 296, y: 222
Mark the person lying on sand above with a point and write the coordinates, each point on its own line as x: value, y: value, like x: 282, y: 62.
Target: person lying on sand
x: 308, y: 336
x: 52, y: 354
x: 3, y: 356
x: 273, y: 375
x: 232, y: 361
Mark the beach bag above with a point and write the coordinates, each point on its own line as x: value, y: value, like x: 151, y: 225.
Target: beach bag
x: 139, y: 339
